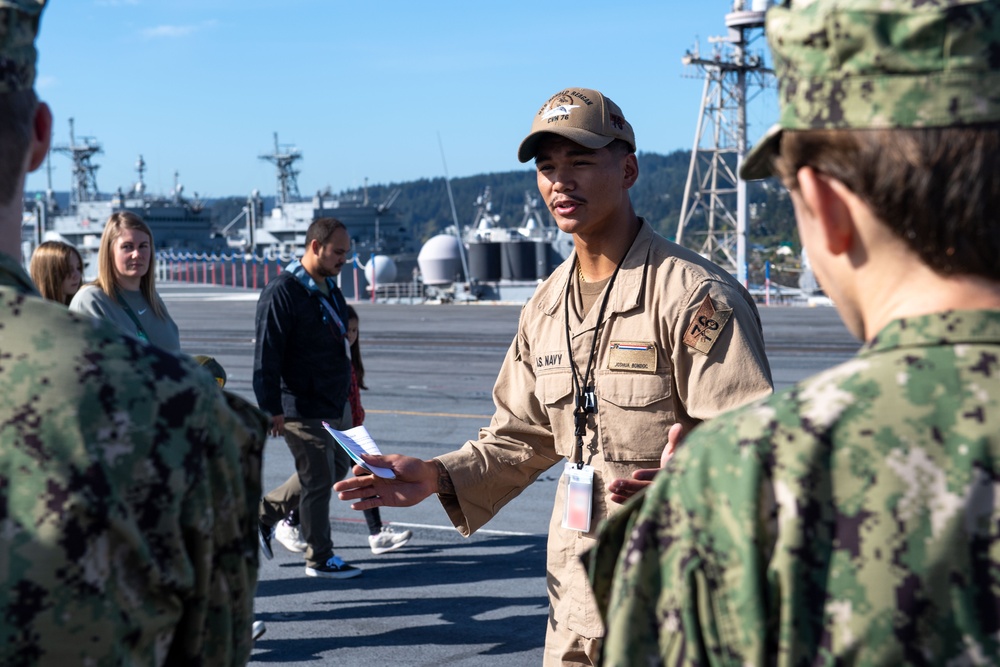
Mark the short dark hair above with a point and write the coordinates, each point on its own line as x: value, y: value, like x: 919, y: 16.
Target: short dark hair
x: 620, y: 147
x: 17, y: 109
x: 322, y: 229
x: 936, y: 188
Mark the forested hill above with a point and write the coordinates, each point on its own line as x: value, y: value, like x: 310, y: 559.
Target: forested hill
x: 658, y: 196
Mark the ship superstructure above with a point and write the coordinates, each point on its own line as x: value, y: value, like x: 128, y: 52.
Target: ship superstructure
x: 178, y: 224
x: 374, y: 228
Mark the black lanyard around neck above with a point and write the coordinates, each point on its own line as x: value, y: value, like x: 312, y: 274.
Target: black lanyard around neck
x: 583, y: 388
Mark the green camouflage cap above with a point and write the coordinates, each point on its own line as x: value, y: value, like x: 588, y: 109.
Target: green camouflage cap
x: 876, y: 64
x: 18, y: 26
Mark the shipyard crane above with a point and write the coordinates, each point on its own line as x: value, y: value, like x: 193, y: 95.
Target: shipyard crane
x: 379, y: 210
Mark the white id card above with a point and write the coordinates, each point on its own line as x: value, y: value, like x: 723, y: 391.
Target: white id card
x: 579, y: 497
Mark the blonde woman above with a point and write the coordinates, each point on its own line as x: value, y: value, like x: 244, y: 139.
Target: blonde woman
x: 56, y: 270
x: 125, y: 290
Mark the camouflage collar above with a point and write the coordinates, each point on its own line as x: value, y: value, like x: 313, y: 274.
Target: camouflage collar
x: 946, y: 328
x: 12, y: 274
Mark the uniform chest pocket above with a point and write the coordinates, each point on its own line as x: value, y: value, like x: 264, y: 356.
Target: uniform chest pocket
x: 635, y: 412
x: 555, y: 392
x: 633, y: 390
x: 552, y: 388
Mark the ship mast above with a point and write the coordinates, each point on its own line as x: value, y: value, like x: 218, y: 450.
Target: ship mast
x: 139, y: 189
x: 284, y: 161
x: 715, y: 199
x: 84, y: 171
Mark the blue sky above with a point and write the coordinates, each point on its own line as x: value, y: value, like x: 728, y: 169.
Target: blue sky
x: 363, y: 89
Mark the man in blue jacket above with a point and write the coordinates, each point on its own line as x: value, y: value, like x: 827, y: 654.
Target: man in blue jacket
x: 301, y: 376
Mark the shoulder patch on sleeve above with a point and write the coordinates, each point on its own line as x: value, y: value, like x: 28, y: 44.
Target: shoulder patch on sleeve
x: 706, y: 326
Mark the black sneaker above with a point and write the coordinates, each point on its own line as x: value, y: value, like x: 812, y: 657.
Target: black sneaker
x: 333, y: 569
x: 264, y: 533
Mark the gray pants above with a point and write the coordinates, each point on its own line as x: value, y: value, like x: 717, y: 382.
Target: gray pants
x: 319, y: 463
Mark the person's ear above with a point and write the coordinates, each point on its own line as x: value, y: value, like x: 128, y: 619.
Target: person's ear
x: 631, y: 170
x: 41, y: 136
x: 825, y: 199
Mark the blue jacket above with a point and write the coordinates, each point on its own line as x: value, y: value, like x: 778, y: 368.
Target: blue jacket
x: 300, y: 367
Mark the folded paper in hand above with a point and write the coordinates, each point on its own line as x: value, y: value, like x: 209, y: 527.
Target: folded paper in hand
x: 358, y: 441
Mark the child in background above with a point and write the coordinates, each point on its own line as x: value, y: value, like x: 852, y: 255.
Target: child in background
x: 57, y: 270
x: 381, y: 538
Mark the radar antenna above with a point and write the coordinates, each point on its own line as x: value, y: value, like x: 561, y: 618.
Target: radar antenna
x: 140, y: 185
x: 84, y: 171
x: 715, y: 200
x: 284, y: 161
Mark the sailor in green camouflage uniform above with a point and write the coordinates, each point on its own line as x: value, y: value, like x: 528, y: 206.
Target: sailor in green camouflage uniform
x: 128, y: 481
x: 854, y: 518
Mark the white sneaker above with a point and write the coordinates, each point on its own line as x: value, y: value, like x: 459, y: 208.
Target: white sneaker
x: 388, y: 540
x: 290, y: 537
x: 258, y: 630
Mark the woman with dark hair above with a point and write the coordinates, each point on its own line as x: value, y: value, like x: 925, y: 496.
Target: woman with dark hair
x: 56, y: 270
x: 125, y: 289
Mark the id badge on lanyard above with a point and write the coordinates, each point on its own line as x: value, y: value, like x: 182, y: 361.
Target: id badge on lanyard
x: 579, y: 497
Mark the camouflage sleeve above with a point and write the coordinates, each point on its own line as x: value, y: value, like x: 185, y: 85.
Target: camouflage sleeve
x: 128, y: 491
x: 851, y: 518
x: 678, y: 573
x: 215, y: 628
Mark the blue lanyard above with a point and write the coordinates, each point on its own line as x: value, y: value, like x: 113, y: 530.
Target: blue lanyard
x: 326, y: 301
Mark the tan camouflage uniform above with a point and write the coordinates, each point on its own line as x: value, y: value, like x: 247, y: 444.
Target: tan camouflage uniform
x: 128, y: 491
x: 855, y: 518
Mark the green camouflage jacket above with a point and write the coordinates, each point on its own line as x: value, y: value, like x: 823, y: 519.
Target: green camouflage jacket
x: 852, y: 519
x: 128, y: 492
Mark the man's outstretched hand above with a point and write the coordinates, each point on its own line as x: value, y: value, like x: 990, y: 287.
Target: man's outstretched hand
x: 415, y: 480
x: 621, y: 490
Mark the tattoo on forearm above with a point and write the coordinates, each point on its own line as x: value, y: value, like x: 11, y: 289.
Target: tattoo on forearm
x: 445, y: 486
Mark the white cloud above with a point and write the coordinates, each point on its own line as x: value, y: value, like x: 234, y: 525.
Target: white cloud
x: 168, y: 31
x: 174, y: 31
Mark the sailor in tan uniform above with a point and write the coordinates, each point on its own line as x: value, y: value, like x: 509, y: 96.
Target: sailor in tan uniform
x: 630, y: 335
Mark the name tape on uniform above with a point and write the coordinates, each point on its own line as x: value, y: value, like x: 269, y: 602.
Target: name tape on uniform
x: 632, y: 356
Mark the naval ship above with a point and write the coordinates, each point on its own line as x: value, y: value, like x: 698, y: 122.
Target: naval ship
x: 178, y: 224
x: 374, y: 228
